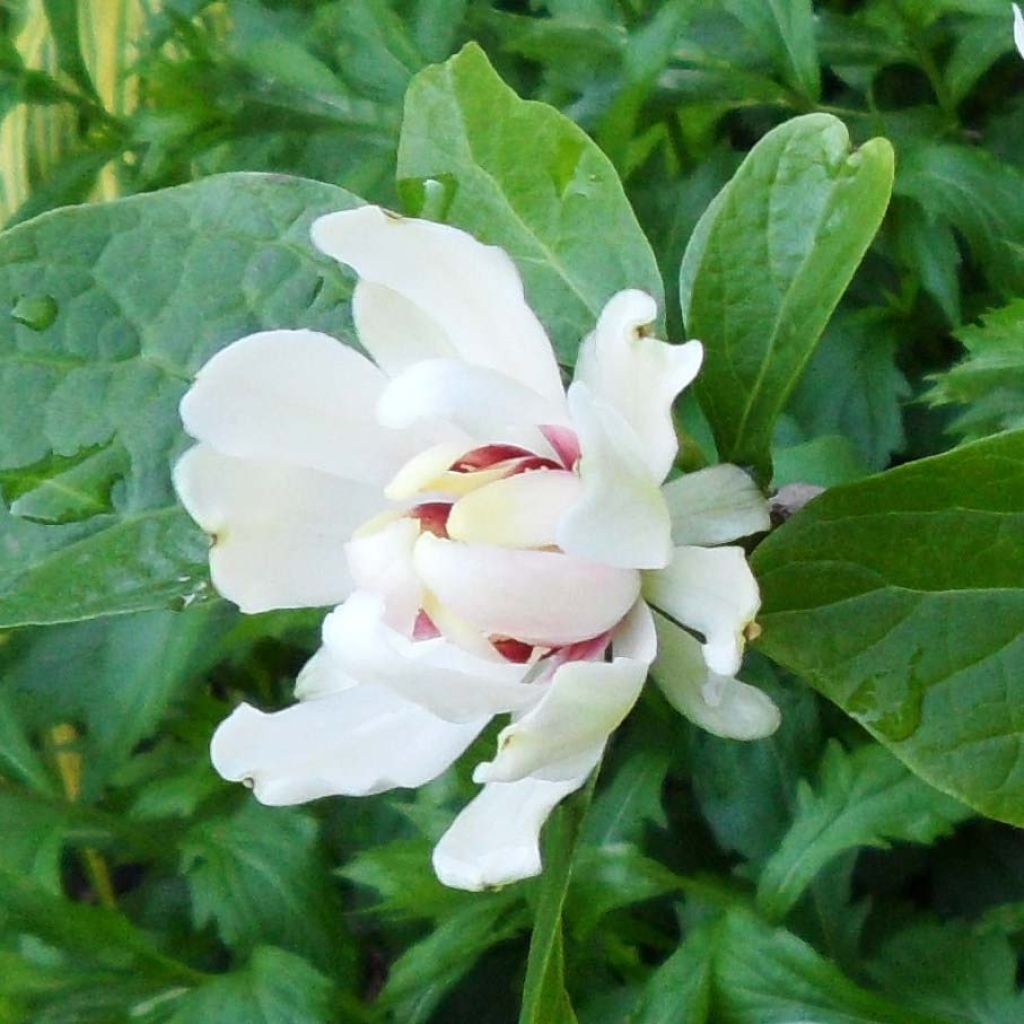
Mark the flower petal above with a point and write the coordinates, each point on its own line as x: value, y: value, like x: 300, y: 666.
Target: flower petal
x: 722, y: 705
x: 360, y: 741
x: 495, y: 840
x: 434, y: 674
x: 638, y: 376
x: 381, y: 561
x: 278, y: 531
x: 1018, y: 28
x: 480, y: 401
x: 584, y: 702
x: 471, y: 291
x: 520, y: 511
x: 712, y: 591
x: 544, y: 598
x: 322, y: 676
x: 715, y: 505
x: 296, y: 397
x: 621, y: 519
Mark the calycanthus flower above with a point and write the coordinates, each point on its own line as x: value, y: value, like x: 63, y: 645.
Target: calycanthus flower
x: 491, y: 542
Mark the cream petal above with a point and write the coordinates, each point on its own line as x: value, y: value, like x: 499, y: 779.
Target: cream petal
x: 715, y: 505
x: 471, y: 291
x: 296, y: 397
x: 435, y: 674
x: 322, y: 676
x: 495, y: 840
x: 480, y: 401
x: 712, y: 591
x: 584, y: 702
x: 544, y: 598
x: 621, y: 518
x: 722, y: 705
x: 520, y: 511
x: 360, y: 741
x: 279, y: 531
x: 638, y: 376
x: 394, y: 331
x: 1018, y: 28
x: 381, y: 561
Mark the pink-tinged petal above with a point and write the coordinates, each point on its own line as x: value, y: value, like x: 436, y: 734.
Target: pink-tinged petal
x: 435, y: 674
x: 544, y: 598
x: 720, y: 704
x: 583, y: 704
x: 715, y: 505
x: 564, y: 443
x: 381, y: 561
x: 394, y: 331
x: 638, y: 376
x: 621, y: 518
x: 360, y: 741
x: 495, y: 840
x: 296, y: 397
x: 279, y: 532
x: 712, y: 591
x: 471, y: 291
x: 520, y: 511
x: 478, y: 400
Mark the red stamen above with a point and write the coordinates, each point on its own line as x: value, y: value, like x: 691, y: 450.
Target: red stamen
x: 487, y: 456
x: 564, y: 441
x: 424, y: 628
x: 513, y: 650
x: 433, y: 517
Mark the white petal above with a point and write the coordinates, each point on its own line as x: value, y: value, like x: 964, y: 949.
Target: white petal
x: 520, y: 511
x: 480, y: 401
x: 435, y: 674
x: 541, y: 597
x: 715, y: 505
x: 584, y: 702
x: 471, y: 291
x: 638, y: 376
x: 296, y: 397
x: 279, y: 531
x: 360, y: 741
x: 1018, y: 28
x: 394, y: 331
x: 322, y: 676
x: 722, y: 705
x: 712, y: 591
x: 621, y: 519
x: 381, y: 561
x: 495, y: 840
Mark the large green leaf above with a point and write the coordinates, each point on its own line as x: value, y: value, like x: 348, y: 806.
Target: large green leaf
x: 766, y: 266
x: 523, y: 176
x: 901, y: 598
x: 112, y: 309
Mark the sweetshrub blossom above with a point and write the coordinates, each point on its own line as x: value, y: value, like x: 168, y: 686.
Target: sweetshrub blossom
x: 491, y: 542
x: 1018, y: 28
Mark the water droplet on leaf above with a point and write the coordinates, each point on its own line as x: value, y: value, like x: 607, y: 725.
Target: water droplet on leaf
x: 36, y: 312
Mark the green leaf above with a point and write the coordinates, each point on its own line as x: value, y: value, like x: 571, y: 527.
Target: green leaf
x: 680, y: 989
x: 867, y: 798
x: 144, y: 290
x: 275, y: 987
x: 766, y: 975
x: 553, y: 213
x: 63, y: 18
x: 990, y: 380
x: 951, y: 970
x: 766, y: 266
x: 901, y: 598
x: 826, y: 461
x: 260, y: 875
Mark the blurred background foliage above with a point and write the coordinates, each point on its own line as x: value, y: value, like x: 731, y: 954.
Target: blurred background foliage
x: 808, y: 876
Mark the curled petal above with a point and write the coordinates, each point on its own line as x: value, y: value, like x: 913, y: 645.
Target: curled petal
x: 584, y: 702
x: 279, y: 531
x: 471, y: 291
x: 434, y: 674
x: 544, y: 598
x: 360, y: 741
x: 296, y: 397
x: 322, y: 676
x: 1018, y: 28
x: 712, y: 591
x: 638, y: 376
x: 495, y: 839
x: 722, y: 705
x: 381, y: 561
x: 621, y: 518
x: 715, y: 505
x: 520, y: 511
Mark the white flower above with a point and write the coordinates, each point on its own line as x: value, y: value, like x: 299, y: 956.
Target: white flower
x: 487, y: 538
x: 1018, y: 28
